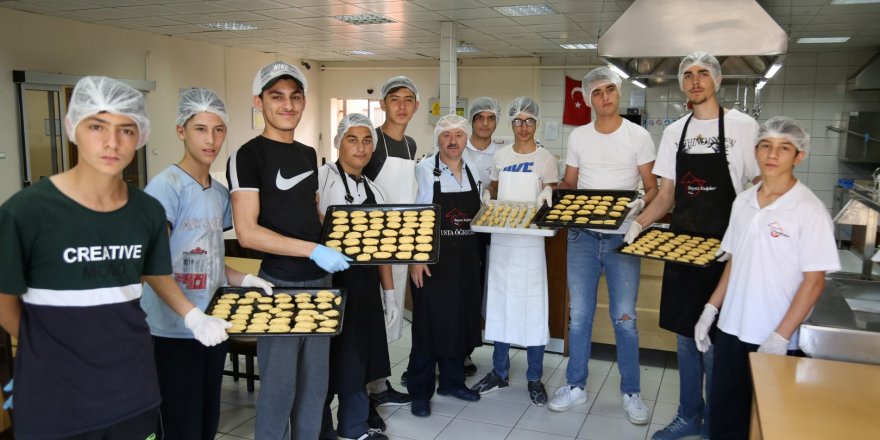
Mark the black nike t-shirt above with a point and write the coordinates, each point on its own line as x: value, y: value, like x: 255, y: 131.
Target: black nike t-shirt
x: 286, y: 176
x: 404, y: 149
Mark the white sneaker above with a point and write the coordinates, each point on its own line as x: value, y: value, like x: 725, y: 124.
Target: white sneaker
x: 567, y: 397
x: 635, y: 409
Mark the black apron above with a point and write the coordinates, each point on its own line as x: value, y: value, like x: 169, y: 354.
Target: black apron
x: 704, y: 195
x: 446, y: 310
x: 360, y: 353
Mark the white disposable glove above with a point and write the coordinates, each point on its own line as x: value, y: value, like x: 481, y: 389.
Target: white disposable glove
x: 635, y: 228
x: 775, y: 344
x: 487, y: 196
x: 701, y: 331
x: 389, y: 304
x: 636, y: 205
x: 721, y: 256
x: 546, y: 197
x: 209, y: 330
x: 252, y: 281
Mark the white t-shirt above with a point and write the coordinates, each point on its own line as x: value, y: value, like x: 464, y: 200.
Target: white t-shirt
x: 539, y: 161
x: 483, y: 159
x: 331, y: 191
x: 448, y: 183
x: 609, y: 161
x: 740, y: 131
x: 772, y: 248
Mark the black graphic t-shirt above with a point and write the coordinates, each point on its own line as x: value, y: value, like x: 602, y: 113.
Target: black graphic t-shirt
x: 85, y: 357
x: 286, y: 177
x: 741, y: 132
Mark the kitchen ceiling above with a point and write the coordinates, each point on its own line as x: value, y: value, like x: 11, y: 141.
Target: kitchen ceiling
x: 307, y: 28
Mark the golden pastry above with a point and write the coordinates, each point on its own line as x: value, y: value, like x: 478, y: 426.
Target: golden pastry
x: 424, y: 247
x: 339, y: 214
x: 424, y: 239
x: 403, y: 255
x: 358, y: 214
x: 388, y: 240
x: 336, y: 235
x: 382, y: 255
x: 340, y: 228
x: 389, y: 232
x: 352, y: 250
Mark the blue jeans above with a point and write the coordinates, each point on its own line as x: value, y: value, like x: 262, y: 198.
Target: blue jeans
x: 691, y: 366
x: 501, y: 361
x: 589, y: 255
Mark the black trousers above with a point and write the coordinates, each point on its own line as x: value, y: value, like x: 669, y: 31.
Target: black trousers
x: 144, y: 426
x: 190, y: 376
x: 420, y: 377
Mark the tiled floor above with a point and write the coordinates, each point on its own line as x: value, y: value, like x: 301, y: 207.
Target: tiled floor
x: 508, y: 413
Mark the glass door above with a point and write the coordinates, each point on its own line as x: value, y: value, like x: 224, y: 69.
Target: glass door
x: 45, y: 146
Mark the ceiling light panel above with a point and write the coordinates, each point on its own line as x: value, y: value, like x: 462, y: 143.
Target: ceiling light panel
x: 525, y: 10
x: 355, y: 52
x: 231, y: 26
x: 360, y: 19
x: 578, y: 46
x: 821, y: 40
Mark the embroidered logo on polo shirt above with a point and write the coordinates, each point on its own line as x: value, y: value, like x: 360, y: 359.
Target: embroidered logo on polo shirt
x: 285, y: 184
x: 776, y: 230
x: 695, y: 185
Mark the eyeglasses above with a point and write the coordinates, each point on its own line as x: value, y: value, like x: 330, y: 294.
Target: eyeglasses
x: 530, y: 122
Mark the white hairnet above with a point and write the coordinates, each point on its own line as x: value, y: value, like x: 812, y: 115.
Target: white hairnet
x: 399, y: 81
x: 353, y: 120
x: 599, y: 77
x: 96, y: 94
x: 786, y: 128
x: 451, y: 122
x: 274, y: 70
x: 195, y: 101
x: 704, y: 59
x: 484, y: 104
x: 525, y: 106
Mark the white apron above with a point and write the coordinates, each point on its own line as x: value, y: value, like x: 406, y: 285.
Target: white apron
x: 397, y: 178
x: 516, y: 306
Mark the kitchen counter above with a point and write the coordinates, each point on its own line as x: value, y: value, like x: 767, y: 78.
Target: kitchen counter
x: 802, y: 398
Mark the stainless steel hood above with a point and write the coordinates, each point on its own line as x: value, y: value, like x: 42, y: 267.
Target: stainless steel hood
x: 650, y: 38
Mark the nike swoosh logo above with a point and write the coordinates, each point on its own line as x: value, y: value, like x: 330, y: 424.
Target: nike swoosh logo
x: 285, y: 184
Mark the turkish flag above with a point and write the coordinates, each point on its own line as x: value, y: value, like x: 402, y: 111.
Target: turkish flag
x: 576, y: 111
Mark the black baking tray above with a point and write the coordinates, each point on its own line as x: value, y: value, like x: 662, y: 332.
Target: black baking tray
x: 434, y: 255
x: 292, y: 291
x: 558, y: 194
x: 677, y: 232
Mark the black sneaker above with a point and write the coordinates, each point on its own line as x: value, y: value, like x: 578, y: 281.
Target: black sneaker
x: 374, y: 420
x: 403, y: 378
x: 490, y: 383
x: 469, y: 368
x: 390, y: 397
x: 537, y: 392
x: 371, y: 435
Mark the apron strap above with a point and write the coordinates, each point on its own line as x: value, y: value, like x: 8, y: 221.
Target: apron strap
x: 437, y: 174
x: 405, y: 142
x: 349, y: 199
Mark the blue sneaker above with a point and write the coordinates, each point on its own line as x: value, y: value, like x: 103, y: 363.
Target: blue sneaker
x: 679, y: 428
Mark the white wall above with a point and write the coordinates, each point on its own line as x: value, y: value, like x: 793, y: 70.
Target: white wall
x: 44, y: 44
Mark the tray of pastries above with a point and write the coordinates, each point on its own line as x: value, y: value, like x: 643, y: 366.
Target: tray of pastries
x: 505, y: 217
x: 383, y: 234
x: 674, y: 247
x: 586, y: 208
x: 289, y: 312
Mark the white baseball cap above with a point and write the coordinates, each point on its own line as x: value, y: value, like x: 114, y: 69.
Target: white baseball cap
x: 274, y: 70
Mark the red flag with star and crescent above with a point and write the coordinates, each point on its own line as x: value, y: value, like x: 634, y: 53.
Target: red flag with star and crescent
x: 576, y: 111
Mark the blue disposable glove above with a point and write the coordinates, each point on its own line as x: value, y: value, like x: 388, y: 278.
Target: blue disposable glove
x: 7, y: 405
x: 330, y: 260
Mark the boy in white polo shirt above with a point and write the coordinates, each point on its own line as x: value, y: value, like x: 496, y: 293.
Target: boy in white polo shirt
x: 781, y: 242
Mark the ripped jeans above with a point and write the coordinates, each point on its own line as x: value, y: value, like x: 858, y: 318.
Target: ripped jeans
x: 590, y: 254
